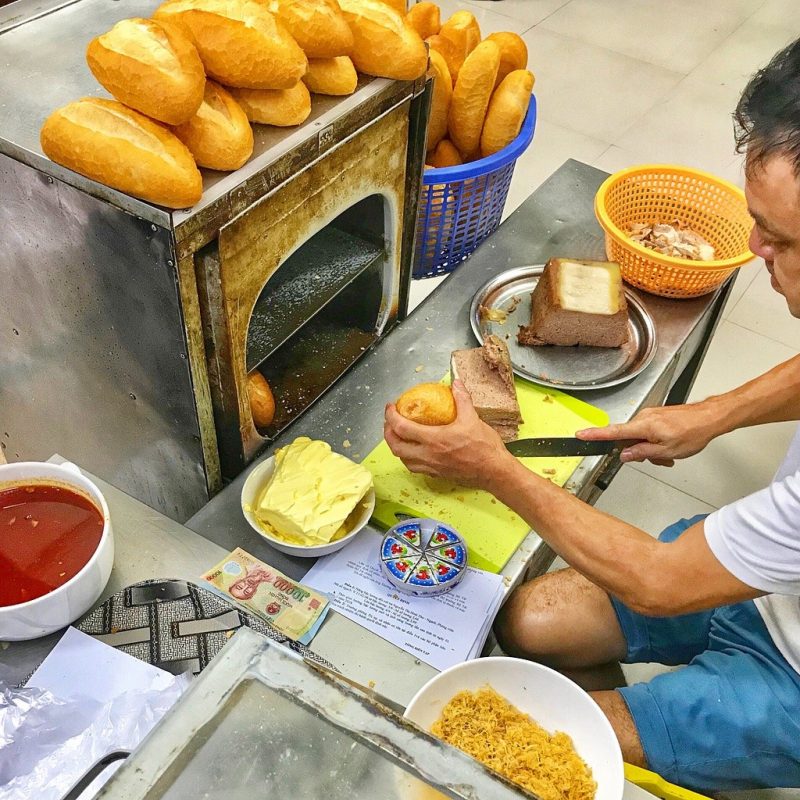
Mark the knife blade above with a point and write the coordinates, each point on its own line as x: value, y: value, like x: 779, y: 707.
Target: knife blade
x: 560, y: 446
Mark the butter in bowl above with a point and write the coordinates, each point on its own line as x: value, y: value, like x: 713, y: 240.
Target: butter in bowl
x: 307, y: 500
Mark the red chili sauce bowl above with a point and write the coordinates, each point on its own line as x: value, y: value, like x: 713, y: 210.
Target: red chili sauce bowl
x: 56, y: 548
x: 47, y: 536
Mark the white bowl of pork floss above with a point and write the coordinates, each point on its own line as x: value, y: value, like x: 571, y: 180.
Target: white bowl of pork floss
x: 528, y: 723
x: 308, y: 500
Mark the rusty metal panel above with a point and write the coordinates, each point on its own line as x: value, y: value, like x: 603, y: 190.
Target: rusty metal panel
x: 255, y: 244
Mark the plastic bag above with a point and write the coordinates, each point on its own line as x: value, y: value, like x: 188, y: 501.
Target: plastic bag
x: 48, y: 743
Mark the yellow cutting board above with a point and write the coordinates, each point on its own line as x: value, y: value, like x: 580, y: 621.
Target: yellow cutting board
x: 492, y: 531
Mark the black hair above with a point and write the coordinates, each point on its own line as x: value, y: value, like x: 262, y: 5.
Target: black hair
x: 767, y: 117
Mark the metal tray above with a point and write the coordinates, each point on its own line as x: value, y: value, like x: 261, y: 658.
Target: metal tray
x: 570, y: 368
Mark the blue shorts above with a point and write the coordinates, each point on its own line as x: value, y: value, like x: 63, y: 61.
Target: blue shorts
x: 730, y: 719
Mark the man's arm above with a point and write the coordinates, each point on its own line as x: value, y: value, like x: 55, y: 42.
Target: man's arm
x: 651, y: 577
x: 665, y: 434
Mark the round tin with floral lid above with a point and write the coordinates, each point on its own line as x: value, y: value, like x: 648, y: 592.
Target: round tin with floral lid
x: 423, y: 557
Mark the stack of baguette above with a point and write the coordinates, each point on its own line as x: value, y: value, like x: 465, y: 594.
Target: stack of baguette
x: 188, y: 82
x: 482, y: 88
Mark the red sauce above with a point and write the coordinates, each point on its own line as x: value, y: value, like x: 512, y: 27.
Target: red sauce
x: 47, y: 535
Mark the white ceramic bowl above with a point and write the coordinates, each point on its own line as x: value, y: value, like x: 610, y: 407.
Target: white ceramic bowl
x: 552, y: 700
x: 251, y: 491
x: 63, y: 605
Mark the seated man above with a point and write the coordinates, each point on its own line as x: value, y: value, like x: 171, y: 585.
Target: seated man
x: 720, y: 593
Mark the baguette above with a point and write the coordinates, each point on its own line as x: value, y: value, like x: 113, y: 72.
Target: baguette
x: 471, y: 96
x: 440, y: 102
x: 400, y: 6
x: 332, y: 76
x: 151, y: 67
x: 240, y: 43
x: 425, y: 19
x: 463, y: 31
x: 506, y: 112
x: 449, y: 52
x: 318, y: 26
x: 513, y: 53
x: 262, y: 401
x: 219, y: 135
x: 112, y: 144
x: 444, y: 155
x: 384, y: 45
x: 281, y: 107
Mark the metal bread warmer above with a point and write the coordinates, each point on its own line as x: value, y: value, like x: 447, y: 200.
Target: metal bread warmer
x: 260, y: 722
x: 127, y: 331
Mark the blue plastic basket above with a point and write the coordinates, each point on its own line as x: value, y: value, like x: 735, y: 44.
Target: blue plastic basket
x: 460, y: 206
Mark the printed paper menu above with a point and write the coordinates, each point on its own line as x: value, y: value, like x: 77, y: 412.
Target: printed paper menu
x: 441, y: 631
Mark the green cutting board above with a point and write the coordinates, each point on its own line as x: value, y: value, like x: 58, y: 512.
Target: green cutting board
x: 493, y: 532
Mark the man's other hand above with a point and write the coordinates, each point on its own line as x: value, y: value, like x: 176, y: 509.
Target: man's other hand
x: 660, y: 435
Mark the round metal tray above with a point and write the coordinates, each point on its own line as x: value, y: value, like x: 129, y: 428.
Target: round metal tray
x: 571, y: 368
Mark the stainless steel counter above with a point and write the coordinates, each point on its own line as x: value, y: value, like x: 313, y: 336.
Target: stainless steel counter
x: 149, y: 544
x: 556, y: 219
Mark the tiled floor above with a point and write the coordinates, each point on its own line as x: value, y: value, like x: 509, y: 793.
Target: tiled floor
x: 621, y: 82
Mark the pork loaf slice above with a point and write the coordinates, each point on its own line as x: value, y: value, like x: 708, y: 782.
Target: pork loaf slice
x: 487, y: 375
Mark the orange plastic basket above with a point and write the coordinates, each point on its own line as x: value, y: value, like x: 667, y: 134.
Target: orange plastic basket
x: 662, y: 193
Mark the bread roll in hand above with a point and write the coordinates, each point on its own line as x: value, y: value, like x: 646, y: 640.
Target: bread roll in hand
x: 114, y: 145
x: 151, y: 67
x: 428, y: 404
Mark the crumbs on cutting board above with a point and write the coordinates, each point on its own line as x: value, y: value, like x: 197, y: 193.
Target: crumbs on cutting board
x: 547, y: 399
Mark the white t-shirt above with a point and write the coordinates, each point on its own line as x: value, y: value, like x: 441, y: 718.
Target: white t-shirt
x: 757, y: 539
